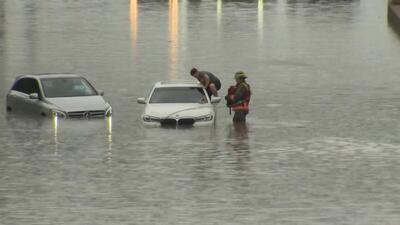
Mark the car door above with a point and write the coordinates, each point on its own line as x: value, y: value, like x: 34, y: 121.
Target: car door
x: 18, y: 99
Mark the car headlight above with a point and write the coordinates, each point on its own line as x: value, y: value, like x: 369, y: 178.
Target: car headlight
x: 58, y: 113
x: 147, y: 118
x: 108, y: 112
x: 208, y: 117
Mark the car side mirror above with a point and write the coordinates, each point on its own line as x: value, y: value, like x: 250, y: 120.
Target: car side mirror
x: 215, y: 99
x: 34, y: 96
x: 101, y: 93
x: 141, y: 100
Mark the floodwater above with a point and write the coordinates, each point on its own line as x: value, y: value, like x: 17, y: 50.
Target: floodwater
x: 321, y: 145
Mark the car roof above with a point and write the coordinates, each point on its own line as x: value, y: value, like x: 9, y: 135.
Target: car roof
x: 49, y: 75
x: 177, y: 83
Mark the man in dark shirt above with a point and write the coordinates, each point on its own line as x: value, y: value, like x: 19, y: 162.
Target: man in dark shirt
x: 210, y: 82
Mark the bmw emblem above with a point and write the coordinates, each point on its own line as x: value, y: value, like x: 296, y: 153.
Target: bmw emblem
x: 86, y: 114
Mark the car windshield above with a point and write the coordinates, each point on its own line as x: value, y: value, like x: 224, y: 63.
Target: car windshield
x: 178, y: 95
x: 66, y: 87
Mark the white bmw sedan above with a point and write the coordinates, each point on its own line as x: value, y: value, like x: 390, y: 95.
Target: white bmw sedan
x: 174, y: 103
x: 61, y: 95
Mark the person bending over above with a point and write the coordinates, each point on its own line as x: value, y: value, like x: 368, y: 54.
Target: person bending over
x: 210, y: 82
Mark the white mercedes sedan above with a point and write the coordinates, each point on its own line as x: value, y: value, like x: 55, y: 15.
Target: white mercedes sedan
x: 174, y: 103
x: 60, y: 95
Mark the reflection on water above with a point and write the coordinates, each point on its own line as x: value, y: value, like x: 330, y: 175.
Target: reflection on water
x: 260, y: 21
x: 55, y: 127
x: 173, y: 38
x: 55, y: 124
x: 339, y: 9
x: 239, y: 134
x: 238, y: 140
x: 134, y: 21
x: 240, y: 131
x: 219, y: 13
x: 109, y: 153
x: 2, y: 46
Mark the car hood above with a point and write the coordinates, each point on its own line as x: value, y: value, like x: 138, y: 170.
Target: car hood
x: 178, y: 110
x: 84, y: 103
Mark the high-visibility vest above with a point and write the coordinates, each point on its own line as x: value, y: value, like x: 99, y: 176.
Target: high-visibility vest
x: 243, y: 105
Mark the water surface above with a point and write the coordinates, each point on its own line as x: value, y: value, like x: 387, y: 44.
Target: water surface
x: 321, y: 144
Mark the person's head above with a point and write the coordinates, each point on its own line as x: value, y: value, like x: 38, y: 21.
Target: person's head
x: 240, y: 76
x: 194, y: 72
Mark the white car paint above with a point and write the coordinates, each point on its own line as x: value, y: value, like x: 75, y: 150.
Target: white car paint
x: 86, y: 103
x: 202, y: 113
x: 38, y: 103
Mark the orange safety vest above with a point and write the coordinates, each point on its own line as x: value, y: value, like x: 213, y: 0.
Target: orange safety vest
x: 242, y: 105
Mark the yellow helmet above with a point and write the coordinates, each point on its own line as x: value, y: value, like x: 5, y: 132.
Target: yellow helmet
x: 240, y: 75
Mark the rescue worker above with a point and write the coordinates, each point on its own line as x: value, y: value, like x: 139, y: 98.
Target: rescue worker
x: 238, y: 97
x: 210, y: 82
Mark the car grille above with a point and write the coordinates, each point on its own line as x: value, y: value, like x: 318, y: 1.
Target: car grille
x: 174, y: 123
x: 86, y: 114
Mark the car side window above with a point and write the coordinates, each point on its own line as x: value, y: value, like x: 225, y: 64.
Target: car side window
x: 27, y: 86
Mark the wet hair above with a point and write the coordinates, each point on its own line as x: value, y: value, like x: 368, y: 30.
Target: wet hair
x: 193, y: 71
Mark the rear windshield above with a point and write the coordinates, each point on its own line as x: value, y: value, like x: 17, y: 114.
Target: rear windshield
x: 66, y: 87
x: 178, y: 95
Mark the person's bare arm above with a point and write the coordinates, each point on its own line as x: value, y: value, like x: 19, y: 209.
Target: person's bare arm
x: 206, y: 80
x: 214, y: 90
x: 202, y: 79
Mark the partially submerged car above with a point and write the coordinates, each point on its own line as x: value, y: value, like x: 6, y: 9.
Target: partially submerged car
x: 60, y: 95
x: 176, y: 103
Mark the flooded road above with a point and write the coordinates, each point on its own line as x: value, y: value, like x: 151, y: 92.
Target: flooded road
x: 321, y: 145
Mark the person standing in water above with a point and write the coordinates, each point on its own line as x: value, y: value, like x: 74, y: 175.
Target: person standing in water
x: 210, y: 82
x: 238, y: 97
